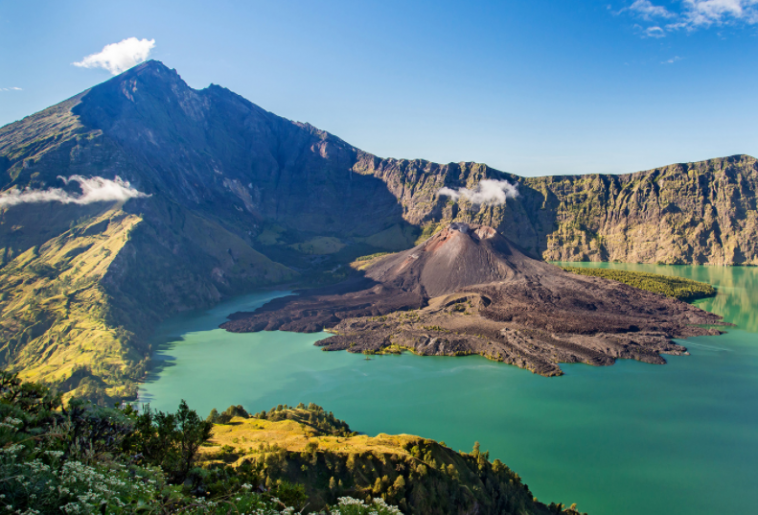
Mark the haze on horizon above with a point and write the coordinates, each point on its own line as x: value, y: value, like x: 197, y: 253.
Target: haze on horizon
x: 532, y: 88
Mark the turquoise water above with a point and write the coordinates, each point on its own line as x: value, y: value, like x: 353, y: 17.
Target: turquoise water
x: 629, y: 439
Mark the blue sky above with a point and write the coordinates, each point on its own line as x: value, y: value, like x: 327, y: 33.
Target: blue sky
x: 531, y: 87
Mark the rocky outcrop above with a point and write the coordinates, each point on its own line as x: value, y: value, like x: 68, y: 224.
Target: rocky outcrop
x: 690, y: 213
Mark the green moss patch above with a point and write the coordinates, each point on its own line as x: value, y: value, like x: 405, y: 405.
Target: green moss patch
x: 675, y: 287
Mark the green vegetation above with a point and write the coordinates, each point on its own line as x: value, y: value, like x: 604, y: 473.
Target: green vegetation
x: 674, y: 287
x: 306, y: 446
x: 313, y: 416
x: 395, y: 238
x: 86, y: 459
x: 319, y: 245
x: 57, y: 322
x: 363, y: 262
x: 428, y: 230
x: 372, y: 256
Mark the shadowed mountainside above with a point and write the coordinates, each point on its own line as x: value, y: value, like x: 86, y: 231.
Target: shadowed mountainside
x: 239, y: 198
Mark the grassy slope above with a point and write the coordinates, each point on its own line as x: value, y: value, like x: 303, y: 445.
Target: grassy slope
x: 420, y: 475
x: 675, y: 287
x: 55, y: 314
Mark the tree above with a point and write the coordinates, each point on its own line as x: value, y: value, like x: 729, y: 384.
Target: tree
x: 170, y: 441
x: 193, y: 432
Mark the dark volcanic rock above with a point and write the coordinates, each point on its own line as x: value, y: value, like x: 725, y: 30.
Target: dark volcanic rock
x: 469, y: 290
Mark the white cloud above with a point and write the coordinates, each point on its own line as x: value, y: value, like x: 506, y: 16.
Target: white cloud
x: 704, y: 13
x: 647, y: 10
x: 694, y: 14
x: 11, y: 89
x: 672, y: 60
x: 488, y: 191
x: 118, y: 57
x: 94, y: 189
x: 655, y: 32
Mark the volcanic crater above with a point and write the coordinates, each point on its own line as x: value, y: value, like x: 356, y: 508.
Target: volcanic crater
x: 469, y: 290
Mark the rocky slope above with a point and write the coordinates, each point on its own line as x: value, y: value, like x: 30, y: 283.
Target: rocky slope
x: 236, y: 198
x: 468, y: 290
x: 689, y: 213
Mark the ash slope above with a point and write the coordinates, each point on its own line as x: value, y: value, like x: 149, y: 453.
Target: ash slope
x: 468, y: 290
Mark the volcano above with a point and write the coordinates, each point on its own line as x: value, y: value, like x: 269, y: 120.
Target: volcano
x: 469, y: 290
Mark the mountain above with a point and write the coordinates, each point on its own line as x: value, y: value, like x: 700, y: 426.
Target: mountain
x: 454, y: 258
x: 195, y: 195
x: 468, y: 290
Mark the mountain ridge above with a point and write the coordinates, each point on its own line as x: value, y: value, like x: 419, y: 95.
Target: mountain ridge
x: 240, y: 198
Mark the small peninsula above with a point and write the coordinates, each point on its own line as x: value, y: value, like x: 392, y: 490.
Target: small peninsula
x: 469, y: 290
x: 669, y: 286
x: 305, y: 445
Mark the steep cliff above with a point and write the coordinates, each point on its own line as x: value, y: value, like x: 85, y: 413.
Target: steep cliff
x: 690, y: 213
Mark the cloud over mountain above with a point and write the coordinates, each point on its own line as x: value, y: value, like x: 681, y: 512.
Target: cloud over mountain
x: 94, y: 189
x: 119, y: 57
x: 488, y: 191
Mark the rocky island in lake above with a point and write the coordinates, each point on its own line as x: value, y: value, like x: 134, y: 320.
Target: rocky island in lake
x: 469, y: 290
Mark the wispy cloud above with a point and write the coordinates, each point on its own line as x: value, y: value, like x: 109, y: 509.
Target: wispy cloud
x: 692, y: 15
x: 11, y: 89
x: 94, y: 189
x: 704, y: 13
x: 119, y: 57
x: 647, y: 10
x: 672, y: 60
x: 655, y: 32
x: 488, y: 191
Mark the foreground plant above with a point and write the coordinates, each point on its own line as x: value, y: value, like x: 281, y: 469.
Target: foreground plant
x: 85, y: 459
x: 350, y: 506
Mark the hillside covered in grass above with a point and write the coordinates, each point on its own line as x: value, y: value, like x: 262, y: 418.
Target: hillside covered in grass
x: 669, y: 286
x: 86, y: 459
x: 308, y: 446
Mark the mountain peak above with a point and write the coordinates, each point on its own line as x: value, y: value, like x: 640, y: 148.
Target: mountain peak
x: 152, y: 76
x: 460, y: 255
x: 152, y: 65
